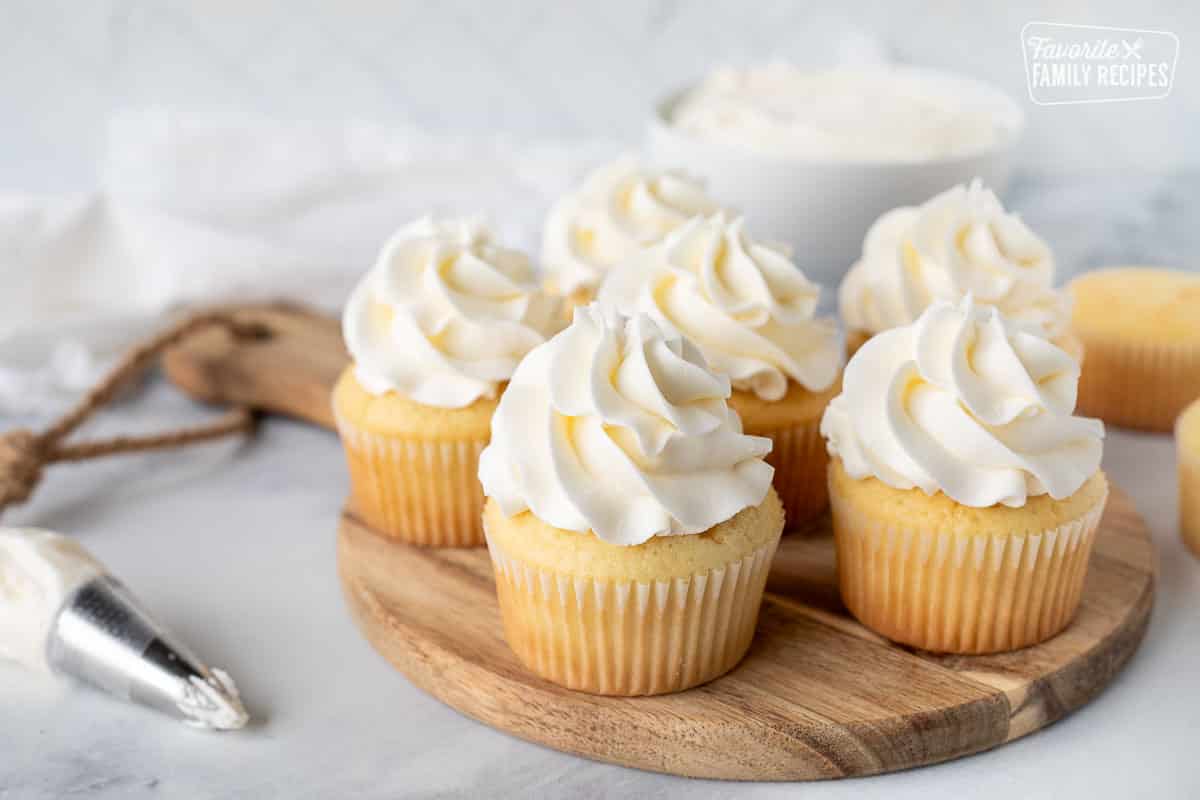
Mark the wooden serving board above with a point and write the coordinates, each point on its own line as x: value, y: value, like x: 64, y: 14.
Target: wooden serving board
x: 818, y: 695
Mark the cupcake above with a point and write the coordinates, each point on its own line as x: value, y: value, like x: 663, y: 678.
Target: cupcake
x: 958, y: 242
x: 1141, y: 329
x: 965, y: 494
x: 434, y: 330
x: 620, y: 208
x: 630, y: 522
x: 1187, y: 450
x: 750, y: 311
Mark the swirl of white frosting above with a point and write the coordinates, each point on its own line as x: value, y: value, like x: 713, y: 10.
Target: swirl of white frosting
x: 618, y: 427
x: 960, y: 241
x: 744, y: 303
x: 620, y: 208
x: 445, y: 315
x: 965, y: 403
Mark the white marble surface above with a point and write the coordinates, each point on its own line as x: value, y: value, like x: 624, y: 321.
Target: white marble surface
x: 233, y: 544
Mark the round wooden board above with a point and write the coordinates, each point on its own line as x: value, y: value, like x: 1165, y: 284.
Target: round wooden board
x: 818, y: 695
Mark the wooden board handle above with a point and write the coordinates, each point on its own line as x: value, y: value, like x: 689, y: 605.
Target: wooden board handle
x: 291, y: 370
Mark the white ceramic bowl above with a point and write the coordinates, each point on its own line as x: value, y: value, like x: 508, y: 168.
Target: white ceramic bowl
x: 823, y: 208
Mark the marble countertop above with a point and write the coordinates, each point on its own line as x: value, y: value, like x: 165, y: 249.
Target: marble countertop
x: 233, y: 545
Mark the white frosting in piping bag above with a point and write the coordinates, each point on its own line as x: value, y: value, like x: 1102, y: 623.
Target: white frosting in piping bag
x: 445, y: 315
x: 620, y: 208
x: 965, y: 403
x: 618, y: 427
x: 960, y: 241
x: 39, y: 570
x: 744, y: 304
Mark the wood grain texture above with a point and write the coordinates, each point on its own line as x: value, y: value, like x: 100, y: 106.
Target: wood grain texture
x: 290, y: 371
x: 818, y: 695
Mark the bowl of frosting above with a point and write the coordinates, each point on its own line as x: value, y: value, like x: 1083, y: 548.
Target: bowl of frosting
x: 813, y: 157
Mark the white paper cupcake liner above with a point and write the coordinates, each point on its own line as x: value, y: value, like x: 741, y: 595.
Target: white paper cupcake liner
x: 1138, y: 385
x: 424, y: 492
x: 961, y: 593
x: 629, y: 638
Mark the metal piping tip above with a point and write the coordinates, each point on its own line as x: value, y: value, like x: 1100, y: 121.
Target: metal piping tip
x: 104, y: 637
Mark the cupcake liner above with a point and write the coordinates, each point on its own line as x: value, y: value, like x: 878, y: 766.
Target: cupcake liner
x: 423, y: 492
x: 625, y: 637
x: 1138, y: 385
x: 1189, y: 497
x: 961, y: 593
x: 800, y: 460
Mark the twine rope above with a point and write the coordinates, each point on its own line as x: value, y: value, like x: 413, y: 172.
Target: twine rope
x: 24, y: 455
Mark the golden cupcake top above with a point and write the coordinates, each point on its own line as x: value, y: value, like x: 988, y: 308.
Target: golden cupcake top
x: 619, y: 427
x: 1145, y: 303
x: 445, y: 315
x: 964, y: 403
x: 743, y: 302
x: 658, y: 558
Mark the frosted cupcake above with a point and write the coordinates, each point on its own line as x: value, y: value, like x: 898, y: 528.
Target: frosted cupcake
x: 751, y: 313
x: 958, y: 242
x: 620, y: 208
x: 435, y: 330
x: 965, y: 494
x: 1141, y: 328
x: 630, y: 522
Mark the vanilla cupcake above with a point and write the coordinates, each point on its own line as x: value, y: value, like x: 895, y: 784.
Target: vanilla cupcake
x: 751, y: 313
x: 1187, y: 452
x: 958, y: 242
x: 620, y: 208
x: 435, y: 330
x: 965, y: 494
x: 631, y: 523
x: 1141, y: 329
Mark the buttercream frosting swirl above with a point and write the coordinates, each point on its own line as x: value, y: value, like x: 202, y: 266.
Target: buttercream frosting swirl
x: 445, y: 315
x: 965, y: 403
x: 960, y: 241
x: 619, y: 427
x: 620, y: 208
x: 744, y: 303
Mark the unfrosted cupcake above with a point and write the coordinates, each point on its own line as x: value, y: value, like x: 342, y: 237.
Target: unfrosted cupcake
x: 751, y: 313
x: 435, y: 330
x: 1187, y: 452
x: 1141, y: 329
x: 620, y: 208
x: 965, y: 494
x: 960, y: 241
x: 630, y: 522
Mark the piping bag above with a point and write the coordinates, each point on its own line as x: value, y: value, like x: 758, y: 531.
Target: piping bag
x: 61, y: 612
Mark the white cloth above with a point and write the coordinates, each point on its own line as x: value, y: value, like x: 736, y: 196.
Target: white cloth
x: 200, y: 208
